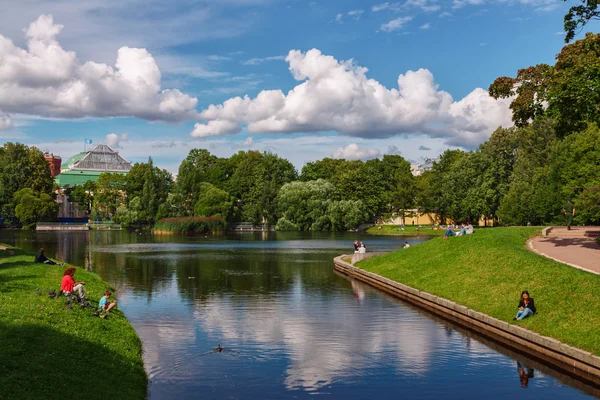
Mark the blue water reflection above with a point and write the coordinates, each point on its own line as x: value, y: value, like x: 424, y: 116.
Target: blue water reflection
x: 290, y: 326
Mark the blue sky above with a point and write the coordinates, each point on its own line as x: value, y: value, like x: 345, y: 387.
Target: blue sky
x: 212, y: 51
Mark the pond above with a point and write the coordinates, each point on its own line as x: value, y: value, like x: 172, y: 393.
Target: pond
x: 289, y: 325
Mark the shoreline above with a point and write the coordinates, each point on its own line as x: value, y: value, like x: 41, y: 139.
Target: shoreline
x: 570, y: 360
x: 49, y: 348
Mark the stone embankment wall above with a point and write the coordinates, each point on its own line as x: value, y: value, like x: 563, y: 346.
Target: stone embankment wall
x: 573, y: 361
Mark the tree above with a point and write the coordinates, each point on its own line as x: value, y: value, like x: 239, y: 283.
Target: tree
x: 22, y: 167
x: 303, y: 203
x: 109, y: 194
x: 200, y: 166
x: 151, y: 185
x: 579, y: 16
x: 530, y: 198
x: 83, y: 195
x: 32, y: 207
x: 575, y: 172
x: 213, y: 201
x: 128, y: 215
x: 569, y: 91
x: 321, y: 169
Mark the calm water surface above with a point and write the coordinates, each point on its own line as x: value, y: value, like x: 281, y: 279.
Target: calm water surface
x: 290, y: 326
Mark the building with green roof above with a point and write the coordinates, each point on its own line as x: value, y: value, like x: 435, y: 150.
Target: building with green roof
x: 84, y: 167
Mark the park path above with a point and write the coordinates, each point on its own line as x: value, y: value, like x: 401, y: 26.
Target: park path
x: 576, y: 248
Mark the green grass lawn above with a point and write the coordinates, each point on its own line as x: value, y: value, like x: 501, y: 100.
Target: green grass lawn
x: 49, y: 352
x: 409, y: 230
x: 488, y: 270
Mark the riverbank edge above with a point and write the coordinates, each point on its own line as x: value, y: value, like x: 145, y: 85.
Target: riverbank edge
x: 571, y: 360
x: 138, y: 344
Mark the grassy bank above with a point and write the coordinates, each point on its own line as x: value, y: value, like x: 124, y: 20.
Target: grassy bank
x: 488, y: 270
x: 50, y: 352
x: 409, y: 230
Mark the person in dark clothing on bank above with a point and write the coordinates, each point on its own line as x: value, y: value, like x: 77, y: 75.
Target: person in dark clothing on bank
x: 526, y: 306
x: 40, y: 258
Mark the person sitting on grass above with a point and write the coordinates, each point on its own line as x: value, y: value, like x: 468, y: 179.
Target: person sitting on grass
x: 469, y: 229
x: 40, y: 258
x: 449, y: 232
x: 69, y: 285
x: 105, y: 305
x: 526, y: 306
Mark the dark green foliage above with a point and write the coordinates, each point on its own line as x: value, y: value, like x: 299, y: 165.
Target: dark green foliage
x: 191, y: 225
x: 32, y: 207
x: 21, y: 167
x: 213, y: 201
x: 579, y: 16
x: 151, y: 186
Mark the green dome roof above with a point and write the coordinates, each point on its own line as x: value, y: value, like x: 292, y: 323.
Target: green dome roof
x: 71, y: 160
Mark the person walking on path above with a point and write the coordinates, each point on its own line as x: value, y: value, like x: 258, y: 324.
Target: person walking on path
x: 569, y: 211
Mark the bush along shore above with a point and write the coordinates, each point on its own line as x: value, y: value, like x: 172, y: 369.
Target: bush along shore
x: 49, y: 350
x: 184, y: 225
x: 487, y: 271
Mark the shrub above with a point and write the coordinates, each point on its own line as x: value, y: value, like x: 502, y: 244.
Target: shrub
x: 286, y: 225
x: 191, y: 225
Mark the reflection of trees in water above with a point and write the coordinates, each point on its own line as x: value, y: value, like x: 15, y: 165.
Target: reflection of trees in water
x: 257, y: 272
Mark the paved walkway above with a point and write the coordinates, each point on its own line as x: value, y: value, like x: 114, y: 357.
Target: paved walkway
x: 578, y: 251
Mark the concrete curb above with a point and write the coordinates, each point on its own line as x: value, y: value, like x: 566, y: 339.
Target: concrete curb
x: 568, y: 359
x: 536, y: 251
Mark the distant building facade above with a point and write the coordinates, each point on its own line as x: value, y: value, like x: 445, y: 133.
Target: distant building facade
x: 84, y: 167
x: 54, y: 162
x: 418, y: 169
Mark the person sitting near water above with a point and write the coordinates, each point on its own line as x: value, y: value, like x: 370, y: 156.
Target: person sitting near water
x: 526, y: 306
x: 105, y: 305
x: 40, y: 258
x: 356, y: 246
x: 362, y: 249
x: 69, y: 285
x: 406, y: 245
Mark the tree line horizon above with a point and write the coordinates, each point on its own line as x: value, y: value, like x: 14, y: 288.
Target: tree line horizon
x: 520, y: 175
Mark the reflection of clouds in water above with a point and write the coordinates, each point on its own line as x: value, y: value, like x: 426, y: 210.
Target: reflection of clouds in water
x: 324, y: 343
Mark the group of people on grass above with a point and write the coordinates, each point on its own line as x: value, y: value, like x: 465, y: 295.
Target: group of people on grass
x: 69, y: 286
x: 359, y: 247
x: 464, y: 230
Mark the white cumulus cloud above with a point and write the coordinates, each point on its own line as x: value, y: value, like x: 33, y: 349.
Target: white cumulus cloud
x: 216, y: 128
x: 48, y: 81
x: 380, y: 7
x: 5, y: 121
x: 338, y: 96
x: 355, y: 152
x: 114, y: 140
x: 426, y: 26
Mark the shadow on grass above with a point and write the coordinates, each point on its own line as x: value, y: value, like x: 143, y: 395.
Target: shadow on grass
x: 38, y: 362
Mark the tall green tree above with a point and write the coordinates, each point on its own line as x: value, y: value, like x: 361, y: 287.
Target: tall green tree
x: 32, y: 207
x: 578, y: 16
x: 151, y: 185
x: 213, y: 201
x: 569, y: 91
x: 21, y: 167
x: 109, y: 194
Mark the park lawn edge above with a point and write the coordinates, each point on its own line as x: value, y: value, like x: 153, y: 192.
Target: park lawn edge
x: 48, y: 351
x: 409, y: 230
x: 488, y: 270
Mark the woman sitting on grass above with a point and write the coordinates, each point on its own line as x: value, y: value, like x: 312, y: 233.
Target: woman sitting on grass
x: 68, y: 284
x: 526, y: 306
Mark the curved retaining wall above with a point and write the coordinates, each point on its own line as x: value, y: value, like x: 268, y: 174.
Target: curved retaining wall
x: 571, y: 360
